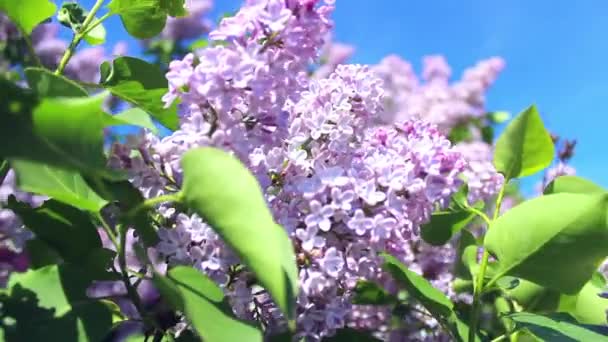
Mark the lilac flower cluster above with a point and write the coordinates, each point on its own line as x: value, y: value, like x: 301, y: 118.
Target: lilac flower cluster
x: 342, y: 186
x: 13, y: 234
x: 432, y: 97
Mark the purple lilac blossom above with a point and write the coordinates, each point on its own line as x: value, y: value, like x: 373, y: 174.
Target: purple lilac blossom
x: 343, y: 188
x: 13, y: 234
x: 191, y: 26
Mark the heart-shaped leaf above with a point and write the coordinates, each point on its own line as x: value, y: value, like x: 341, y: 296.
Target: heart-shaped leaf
x: 203, y: 303
x: 142, y: 84
x: 27, y: 14
x: 141, y: 18
x: 535, y: 236
x: 572, y: 184
x: 559, y: 327
x: 224, y: 193
x: 63, y: 185
x: 525, y: 147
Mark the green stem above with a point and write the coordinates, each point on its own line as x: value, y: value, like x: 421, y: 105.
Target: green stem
x: 4, y: 168
x: 131, y: 290
x: 479, y: 286
x: 150, y: 203
x: 480, y: 214
x: 499, y: 338
x: 30, y: 49
x: 96, y: 23
x: 78, y: 37
x: 108, y: 231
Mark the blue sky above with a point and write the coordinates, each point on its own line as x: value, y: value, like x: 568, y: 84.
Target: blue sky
x: 556, y: 54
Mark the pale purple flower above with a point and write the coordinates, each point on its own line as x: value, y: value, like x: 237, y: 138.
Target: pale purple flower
x: 342, y: 199
x: 309, y: 238
x: 368, y: 192
x: 360, y: 223
x: 333, y: 262
x: 275, y: 16
x: 319, y: 216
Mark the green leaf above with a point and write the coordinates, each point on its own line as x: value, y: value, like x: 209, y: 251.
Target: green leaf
x: 467, y: 250
x: 174, y: 8
x: 572, y: 184
x: 448, y: 222
x: 222, y: 191
x: 40, y: 254
x: 587, y: 306
x: 370, y: 293
x: 556, y: 327
x: 51, y: 302
x: 143, y: 85
x: 203, y: 303
x: 66, y: 186
x: 533, y: 297
x: 141, y: 18
x: 128, y: 198
x: 499, y: 116
x: 66, y: 229
x: 97, y: 35
x: 351, y: 335
x: 135, y: 117
x: 27, y: 14
x: 445, y: 224
x: 64, y: 132
x: 460, y: 133
x: 46, y: 84
x: 525, y: 147
x: 530, y: 239
x: 435, y: 301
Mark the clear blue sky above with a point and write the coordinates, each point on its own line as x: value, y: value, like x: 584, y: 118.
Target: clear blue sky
x: 556, y: 54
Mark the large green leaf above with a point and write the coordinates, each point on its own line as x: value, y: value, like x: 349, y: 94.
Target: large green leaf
x: 586, y: 306
x: 573, y: 184
x: 222, y: 191
x: 40, y: 254
x: 174, y: 8
x: 97, y: 35
x: 47, y: 84
x: 525, y: 147
x: 27, y: 14
x: 142, y: 84
x: 444, y: 224
x: 203, y: 304
x: 535, y: 236
x: 135, y: 117
x: 65, y: 132
x: 533, y: 297
x: 556, y: 327
x: 66, y: 229
x: 63, y: 185
x: 142, y: 18
x: 431, y: 298
x: 51, y: 302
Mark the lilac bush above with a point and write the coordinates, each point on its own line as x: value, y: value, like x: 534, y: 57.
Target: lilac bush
x: 382, y: 195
